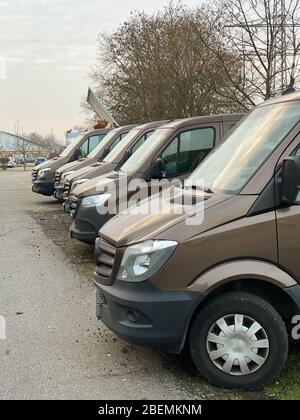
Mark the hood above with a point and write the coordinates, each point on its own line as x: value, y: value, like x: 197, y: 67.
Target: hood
x: 46, y: 164
x: 98, y: 185
x: 79, y: 173
x: 70, y: 166
x: 92, y: 171
x: 130, y: 227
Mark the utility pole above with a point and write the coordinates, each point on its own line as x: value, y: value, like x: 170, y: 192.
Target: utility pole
x: 281, y: 58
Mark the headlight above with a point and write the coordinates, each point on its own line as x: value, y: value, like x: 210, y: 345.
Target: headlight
x: 95, y: 200
x: 143, y: 260
x: 78, y: 182
x: 64, y: 175
x: 43, y: 173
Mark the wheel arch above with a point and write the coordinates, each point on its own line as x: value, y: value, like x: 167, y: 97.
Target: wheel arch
x: 259, y: 282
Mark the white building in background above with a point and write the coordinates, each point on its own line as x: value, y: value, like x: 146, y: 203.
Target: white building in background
x: 9, y: 144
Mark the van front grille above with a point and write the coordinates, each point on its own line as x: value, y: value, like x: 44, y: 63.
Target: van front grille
x: 34, y: 175
x: 105, y: 260
x: 74, y: 204
x: 67, y: 185
x: 57, y: 179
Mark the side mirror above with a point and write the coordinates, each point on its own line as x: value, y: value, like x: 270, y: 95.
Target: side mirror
x: 158, y: 169
x: 77, y: 154
x: 290, y: 180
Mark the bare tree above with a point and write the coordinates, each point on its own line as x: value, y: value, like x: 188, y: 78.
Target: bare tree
x: 264, y: 36
x: 46, y: 143
x: 156, y: 66
x: 25, y: 149
x: 3, y: 159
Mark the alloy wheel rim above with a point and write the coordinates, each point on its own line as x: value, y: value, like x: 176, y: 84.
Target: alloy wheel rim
x: 237, y: 344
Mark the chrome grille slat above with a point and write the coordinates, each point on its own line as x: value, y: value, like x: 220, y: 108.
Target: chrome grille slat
x: 74, y: 204
x: 34, y: 175
x: 67, y: 186
x: 57, y: 180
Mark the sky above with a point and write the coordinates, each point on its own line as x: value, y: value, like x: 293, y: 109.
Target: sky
x: 47, y: 48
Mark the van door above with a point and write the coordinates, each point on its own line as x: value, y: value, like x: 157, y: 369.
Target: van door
x: 90, y: 143
x: 187, y: 150
x: 288, y: 231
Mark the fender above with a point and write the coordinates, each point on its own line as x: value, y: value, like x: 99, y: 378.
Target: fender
x: 241, y: 269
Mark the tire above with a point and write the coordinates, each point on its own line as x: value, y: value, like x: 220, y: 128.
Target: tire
x: 241, y: 376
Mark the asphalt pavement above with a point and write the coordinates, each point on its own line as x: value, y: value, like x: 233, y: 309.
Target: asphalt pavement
x: 54, y: 347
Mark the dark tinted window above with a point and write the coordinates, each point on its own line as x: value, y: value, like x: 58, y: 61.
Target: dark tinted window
x: 115, y: 142
x: 187, y: 150
x: 141, y: 141
x: 85, y: 148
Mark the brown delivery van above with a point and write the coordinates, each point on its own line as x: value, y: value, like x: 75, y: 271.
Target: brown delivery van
x: 43, y: 175
x: 173, y: 151
x: 117, y: 156
x: 96, y: 155
x: 228, y: 285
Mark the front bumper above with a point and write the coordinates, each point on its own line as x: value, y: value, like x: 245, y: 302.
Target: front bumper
x: 87, y: 224
x: 58, y: 193
x: 146, y: 316
x: 43, y: 187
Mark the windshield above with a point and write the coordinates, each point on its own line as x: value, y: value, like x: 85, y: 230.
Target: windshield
x: 146, y: 150
x: 122, y: 145
x: 103, y: 143
x: 231, y: 166
x: 69, y: 148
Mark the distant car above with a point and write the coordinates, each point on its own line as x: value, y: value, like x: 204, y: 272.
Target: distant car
x: 39, y: 160
x: 10, y: 164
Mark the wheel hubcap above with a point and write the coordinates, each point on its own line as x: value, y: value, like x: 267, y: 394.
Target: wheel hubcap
x: 237, y: 344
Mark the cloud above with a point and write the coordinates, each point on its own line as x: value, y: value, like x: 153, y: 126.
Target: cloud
x: 48, y: 47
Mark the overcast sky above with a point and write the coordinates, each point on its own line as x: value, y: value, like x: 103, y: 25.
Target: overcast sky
x: 46, y: 50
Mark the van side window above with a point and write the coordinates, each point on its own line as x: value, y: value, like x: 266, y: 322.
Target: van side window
x: 228, y: 128
x: 187, y: 150
x: 124, y: 134
x: 85, y: 148
x: 141, y: 141
x: 94, y: 141
x: 90, y: 144
x: 296, y: 152
x: 148, y: 134
x: 170, y: 156
x: 115, y: 142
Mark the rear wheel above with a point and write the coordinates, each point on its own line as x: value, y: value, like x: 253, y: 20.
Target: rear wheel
x: 238, y: 340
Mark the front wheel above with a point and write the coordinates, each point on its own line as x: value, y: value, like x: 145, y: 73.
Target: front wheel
x: 238, y: 340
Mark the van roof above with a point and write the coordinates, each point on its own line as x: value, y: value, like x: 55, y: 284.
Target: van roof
x: 295, y: 96
x: 96, y: 131
x: 203, y: 119
x: 152, y: 124
x: 126, y: 127
x: 187, y: 121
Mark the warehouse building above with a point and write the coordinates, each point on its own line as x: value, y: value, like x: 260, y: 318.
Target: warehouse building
x: 11, y: 144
